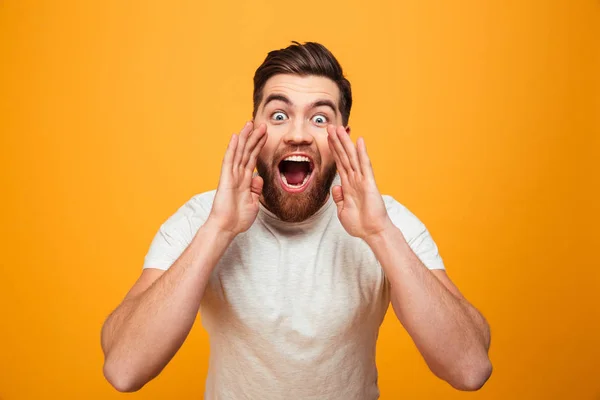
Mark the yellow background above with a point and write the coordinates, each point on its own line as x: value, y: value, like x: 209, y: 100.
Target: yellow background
x: 481, y: 116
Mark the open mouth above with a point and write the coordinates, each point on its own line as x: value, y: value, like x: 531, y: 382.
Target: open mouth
x: 295, y: 172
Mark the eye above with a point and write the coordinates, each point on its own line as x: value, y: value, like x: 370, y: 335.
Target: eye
x: 279, y: 116
x: 319, y: 119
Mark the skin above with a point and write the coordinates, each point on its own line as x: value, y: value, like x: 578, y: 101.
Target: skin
x: 451, y: 335
x: 146, y: 330
x: 297, y: 120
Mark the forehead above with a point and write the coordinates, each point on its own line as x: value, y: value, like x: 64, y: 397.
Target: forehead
x: 302, y: 89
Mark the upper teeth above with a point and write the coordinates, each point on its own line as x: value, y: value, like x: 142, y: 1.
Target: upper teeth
x: 297, y: 158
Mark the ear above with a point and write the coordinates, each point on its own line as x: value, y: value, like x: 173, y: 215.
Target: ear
x: 348, y: 130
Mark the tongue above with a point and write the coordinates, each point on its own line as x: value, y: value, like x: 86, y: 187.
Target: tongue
x: 295, y: 172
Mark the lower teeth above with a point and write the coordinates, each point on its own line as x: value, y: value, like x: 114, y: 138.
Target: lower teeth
x: 295, y: 186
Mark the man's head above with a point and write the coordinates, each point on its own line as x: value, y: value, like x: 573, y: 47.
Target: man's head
x: 298, y: 91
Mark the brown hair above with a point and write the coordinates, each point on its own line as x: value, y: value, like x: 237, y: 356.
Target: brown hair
x: 305, y: 59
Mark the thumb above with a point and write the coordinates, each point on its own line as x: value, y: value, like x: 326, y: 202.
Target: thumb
x: 338, y: 194
x: 256, y: 187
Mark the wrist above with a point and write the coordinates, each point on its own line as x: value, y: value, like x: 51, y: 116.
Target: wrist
x: 214, y: 227
x: 384, y: 235
x: 391, y: 249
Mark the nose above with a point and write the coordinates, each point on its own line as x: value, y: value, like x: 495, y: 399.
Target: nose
x: 298, y: 135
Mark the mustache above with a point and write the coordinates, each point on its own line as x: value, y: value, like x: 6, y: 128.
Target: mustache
x: 309, y: 151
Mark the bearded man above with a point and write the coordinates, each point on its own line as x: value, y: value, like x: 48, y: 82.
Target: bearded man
x: 293, y: 261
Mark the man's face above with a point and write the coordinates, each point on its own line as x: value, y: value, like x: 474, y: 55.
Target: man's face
x: 296, y: 164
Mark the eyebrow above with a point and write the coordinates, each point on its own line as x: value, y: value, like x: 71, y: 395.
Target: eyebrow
x: 274, y: 97
x: 326, y: 103
x: 284, y: 99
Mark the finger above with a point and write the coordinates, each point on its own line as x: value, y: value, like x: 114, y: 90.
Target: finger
x: 349, y: 148
x: 363, y: 158
x: 256, y: 151
x: 256, y: 186
x: 338, y: 194
x: 337, y: 145
x: 249, y: 169
x: 230, y: 152
x: 255, y: 137
x: 338, y: 162
x: 241, y: 144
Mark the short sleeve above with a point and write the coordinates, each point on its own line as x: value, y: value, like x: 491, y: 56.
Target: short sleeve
x: 177, y: 232
x: 415, y: 233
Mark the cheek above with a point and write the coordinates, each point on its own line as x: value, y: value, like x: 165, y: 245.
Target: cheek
x: 326, y: 156
x: 270, y: 146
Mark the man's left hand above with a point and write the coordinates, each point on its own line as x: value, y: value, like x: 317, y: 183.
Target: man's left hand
x: 361, y: 209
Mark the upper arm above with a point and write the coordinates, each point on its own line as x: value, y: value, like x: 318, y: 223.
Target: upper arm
x: 416, y: 234
x: 177, y: 232
x: 421, y: 242
x: 145, y: 280
x: 443, y: 277
x: 172, y: 238
x: 475, y: 314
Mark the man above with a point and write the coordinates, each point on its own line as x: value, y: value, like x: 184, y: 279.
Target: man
x: 293, y: 276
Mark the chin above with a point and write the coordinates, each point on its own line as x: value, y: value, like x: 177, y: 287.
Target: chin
x: 295, y: 188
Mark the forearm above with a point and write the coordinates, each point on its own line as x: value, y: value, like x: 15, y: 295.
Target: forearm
x: 480, y: 322
x: 144, y: 332
x: 450, y: 334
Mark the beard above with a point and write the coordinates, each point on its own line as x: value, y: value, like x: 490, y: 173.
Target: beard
x: 295, y: 207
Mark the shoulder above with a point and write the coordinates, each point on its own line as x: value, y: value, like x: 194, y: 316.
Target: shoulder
x: 202, y: 202
x: 177, y: 231
x: 193, y: 212
x: 415, y: 232
x: 400, y: 212
x: 405, y: 220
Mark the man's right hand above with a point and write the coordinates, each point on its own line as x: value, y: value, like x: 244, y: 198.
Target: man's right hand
x: 236, y: 202
x: 145, y: 331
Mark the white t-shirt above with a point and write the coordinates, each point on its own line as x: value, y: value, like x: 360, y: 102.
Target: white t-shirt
x: 292, y: 310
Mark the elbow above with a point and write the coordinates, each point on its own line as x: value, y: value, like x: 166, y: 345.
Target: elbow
x: 473, y: 378
x: 122, y: 380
